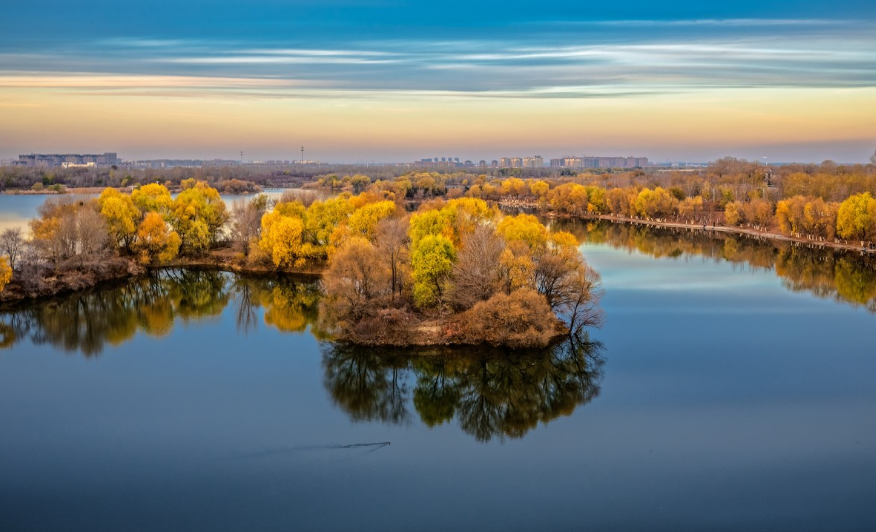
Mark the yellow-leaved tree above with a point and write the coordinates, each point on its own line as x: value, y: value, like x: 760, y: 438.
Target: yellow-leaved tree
x: 539, y: 189
x: 120, y: 214
x: 431, y: 265
x: 153, y: 197
x: 732, y: 215
x: 655, y: 203
x: 197, y: 214
x: 156, y: 242
x: 364, y: 221
x: 320, y: 221
x: 281, y: 239
x: 5, y: 273
x: 523, y: 228
x: 857, y: 217
x: 432, y: 222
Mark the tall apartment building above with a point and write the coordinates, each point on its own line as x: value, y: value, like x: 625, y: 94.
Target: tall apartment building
x: 521, y: 162
x: 533, y: 162
x: 599, y: 162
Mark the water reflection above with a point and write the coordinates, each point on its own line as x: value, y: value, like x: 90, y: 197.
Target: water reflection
x: 290, y: 305
x: 86, y: 322
x: 844, y: 276
x: 491, y: 393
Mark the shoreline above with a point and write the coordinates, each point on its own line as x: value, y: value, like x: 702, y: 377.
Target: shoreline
x: 766, y: 235
x: 124, y: 269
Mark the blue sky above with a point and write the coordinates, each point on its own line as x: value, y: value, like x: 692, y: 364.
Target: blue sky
x: 475, y: 61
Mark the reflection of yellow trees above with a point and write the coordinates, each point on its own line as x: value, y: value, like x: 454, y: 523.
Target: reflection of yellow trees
x: 853, y: 283
x: 824, y: 272
x: 197, y: 294
x: 156, y: 317
x: 86, y: 322
x: 491, y: 394
x: 290, y: 305
x: 7, y: 336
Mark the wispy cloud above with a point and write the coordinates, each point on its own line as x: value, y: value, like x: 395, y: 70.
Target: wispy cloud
x: 622, y: 58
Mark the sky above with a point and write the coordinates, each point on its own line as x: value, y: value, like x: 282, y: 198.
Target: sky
x: 398, y: 80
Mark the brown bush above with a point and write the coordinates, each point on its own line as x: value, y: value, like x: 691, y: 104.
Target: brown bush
x: 517, y: 320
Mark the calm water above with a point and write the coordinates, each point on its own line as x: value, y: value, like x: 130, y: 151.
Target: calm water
x: 731, y: 388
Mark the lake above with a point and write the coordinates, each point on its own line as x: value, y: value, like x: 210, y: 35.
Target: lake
x: 731, y: 388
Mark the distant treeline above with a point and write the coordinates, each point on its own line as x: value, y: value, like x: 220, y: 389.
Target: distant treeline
x: 819, y: 202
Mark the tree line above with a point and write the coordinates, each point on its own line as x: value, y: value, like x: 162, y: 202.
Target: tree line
x: 819, y: 202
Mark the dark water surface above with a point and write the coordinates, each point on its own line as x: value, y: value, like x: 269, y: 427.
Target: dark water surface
x: 731, y: 388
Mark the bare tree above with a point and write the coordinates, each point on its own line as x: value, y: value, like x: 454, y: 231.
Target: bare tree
x: 355, y: 282
x: 92, y: 237
x: 305, y: 197
x: 476, y: 271
x: 392, y: 243
x: 12, y: 244
x: 555, y: 276
x: 873, y: 158
x: 246, y: 220
x: 68, y: 229
x: 581, y: 303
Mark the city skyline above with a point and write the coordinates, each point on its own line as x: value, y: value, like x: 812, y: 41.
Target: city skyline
x: 393, y: 81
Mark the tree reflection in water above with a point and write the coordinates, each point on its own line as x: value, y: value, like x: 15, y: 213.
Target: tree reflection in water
x: 86, y: 322
x: 844, y: 276
x: 290, y: 304
x: 492, y: 393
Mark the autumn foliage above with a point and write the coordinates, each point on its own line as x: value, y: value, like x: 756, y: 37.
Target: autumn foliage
x: 454, y: 272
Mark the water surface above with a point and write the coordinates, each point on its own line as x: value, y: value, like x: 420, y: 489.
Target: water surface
x: 723, y: 393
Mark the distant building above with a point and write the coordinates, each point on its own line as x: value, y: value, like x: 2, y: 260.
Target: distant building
x: 521, y: 162
x: 220, y: 163
x: 442, y: 162
x: 41, y: 160
x: 599, y: 162
x: 533, y: 162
